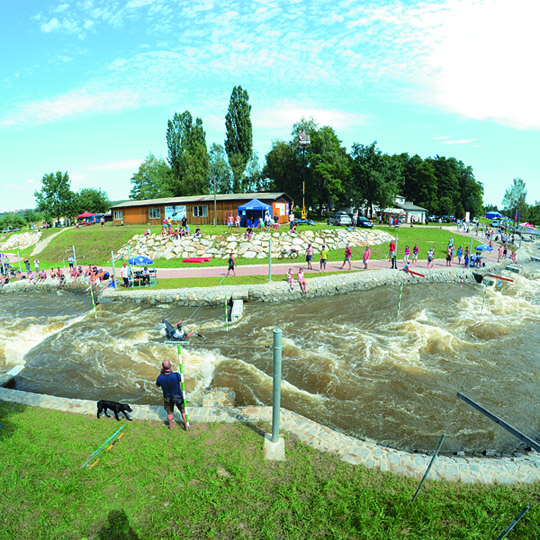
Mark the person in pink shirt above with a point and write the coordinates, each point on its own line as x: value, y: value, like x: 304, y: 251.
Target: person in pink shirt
x: 348, y: 255
x: 407, y: 253
x: 415, y: 251
x: 367, y: 255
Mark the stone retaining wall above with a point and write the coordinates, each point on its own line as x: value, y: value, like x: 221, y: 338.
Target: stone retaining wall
x: 220, y: 245
x: 280, y: 291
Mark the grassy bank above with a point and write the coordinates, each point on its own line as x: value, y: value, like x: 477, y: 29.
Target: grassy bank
x: 94, y: 245
x: 212, y: 482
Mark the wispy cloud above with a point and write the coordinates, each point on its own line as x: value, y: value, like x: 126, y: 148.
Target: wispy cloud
x: 468, y: 57
x: 458, y: 141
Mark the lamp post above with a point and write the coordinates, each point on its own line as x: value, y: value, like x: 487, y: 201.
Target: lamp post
x: 303, y: 141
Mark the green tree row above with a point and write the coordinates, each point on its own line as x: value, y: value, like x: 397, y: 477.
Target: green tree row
x: 190, y: 169
x: 56, y: 200
x: 364, y: 178
x: 367, y: 177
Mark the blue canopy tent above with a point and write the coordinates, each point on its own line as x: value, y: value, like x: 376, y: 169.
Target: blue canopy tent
x: 253, y: 210
x: 493, y: 215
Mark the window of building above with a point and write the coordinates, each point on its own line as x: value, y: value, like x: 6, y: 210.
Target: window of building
x: 154, y: 213
x: 118, y: 215
x: 200, y: 211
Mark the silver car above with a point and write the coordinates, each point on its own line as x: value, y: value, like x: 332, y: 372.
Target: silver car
x: 340, y: 218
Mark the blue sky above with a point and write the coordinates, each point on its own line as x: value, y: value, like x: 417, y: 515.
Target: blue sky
x: 87, y: 86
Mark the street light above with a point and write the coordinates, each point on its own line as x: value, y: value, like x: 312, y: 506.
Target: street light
x: 303, y: 141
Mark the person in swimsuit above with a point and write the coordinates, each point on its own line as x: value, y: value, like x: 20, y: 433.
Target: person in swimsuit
x: 290, y: 279
x: 302, y: 280
x: 232, y: 265
x: 309, y: 256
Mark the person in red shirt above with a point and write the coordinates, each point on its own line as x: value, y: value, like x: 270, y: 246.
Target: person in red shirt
x: 392, y: 254
x: 348, y: 255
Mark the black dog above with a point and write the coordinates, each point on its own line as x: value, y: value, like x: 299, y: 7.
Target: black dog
x: 103, y: 405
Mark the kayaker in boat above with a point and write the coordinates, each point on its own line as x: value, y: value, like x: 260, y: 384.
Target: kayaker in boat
x: 179, y: 332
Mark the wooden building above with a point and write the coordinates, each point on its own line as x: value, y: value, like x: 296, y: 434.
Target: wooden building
x: 198, y: 209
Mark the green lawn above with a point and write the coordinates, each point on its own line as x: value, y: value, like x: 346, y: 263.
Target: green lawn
x: 212, y: 482
x: 94, y: 244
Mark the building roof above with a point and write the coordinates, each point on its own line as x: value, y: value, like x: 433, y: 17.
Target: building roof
x: 203, y: 199
x: 410, y: 207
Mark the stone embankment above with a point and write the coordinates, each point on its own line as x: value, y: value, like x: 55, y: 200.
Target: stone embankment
x: 218, y: 406
x: 21, y: 241
x: 220, y: 245
x: 334, y: 284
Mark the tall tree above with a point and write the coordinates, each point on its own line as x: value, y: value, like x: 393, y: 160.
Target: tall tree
x: 92, y: 200
x: 254, y: 180
x: 283, y: 169
x: 328, y: 165
x: 219, y: 170
x: 55, y: 199
x: 515, y: 200
x: 239, y: 138
x: 153, y: 180
x: 187, y: 155
x: 375, y: 178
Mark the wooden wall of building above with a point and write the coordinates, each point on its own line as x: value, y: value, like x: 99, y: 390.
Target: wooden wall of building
x: 139, y: 215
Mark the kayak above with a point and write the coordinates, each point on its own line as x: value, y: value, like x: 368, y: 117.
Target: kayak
x: 197, y: 259
x: 169, y: 328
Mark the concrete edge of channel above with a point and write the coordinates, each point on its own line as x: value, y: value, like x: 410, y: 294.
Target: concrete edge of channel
x: 506, y: 470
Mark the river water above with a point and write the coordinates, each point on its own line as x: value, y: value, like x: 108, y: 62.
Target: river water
x: 349, y: 362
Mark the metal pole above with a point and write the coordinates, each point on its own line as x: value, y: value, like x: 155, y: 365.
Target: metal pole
x: 304, y: 182
x: 270, y: 258
x: 182, y: 385
x: 226, y: 313
x: 276, y: 395
x: 19, y: 257
x: 400, y: 295
x: 429, y: 466
x: 515, y: 522
x: 516, y: 433
x: 215, y: 203
x: 113, y: 270
x: 74, y: 257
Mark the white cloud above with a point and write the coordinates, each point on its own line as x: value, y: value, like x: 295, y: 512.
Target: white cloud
x: 53, y: 24
x: 286, y: 114
x: 474, y: 58
x: 458, y: 141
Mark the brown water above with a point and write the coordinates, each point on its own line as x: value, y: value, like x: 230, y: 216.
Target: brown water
x: 349, y: 362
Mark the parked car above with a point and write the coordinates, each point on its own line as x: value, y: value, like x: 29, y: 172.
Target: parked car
x: 340, y: 218
x: 496, y: 223
x: 432, y: 218
x: 364, y: 222
x: 10, y: 229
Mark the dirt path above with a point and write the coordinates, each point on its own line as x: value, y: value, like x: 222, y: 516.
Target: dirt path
x: 42, y: 244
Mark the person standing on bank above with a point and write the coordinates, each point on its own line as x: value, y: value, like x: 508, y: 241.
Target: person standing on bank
x: 323, y: 258
x: 169, y: 382
x: 348, y: 255
x: 232, y: 265
x: 392, y: 254
x: 309, y: 256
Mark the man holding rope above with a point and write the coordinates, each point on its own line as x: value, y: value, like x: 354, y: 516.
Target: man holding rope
x: 169, y: 382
